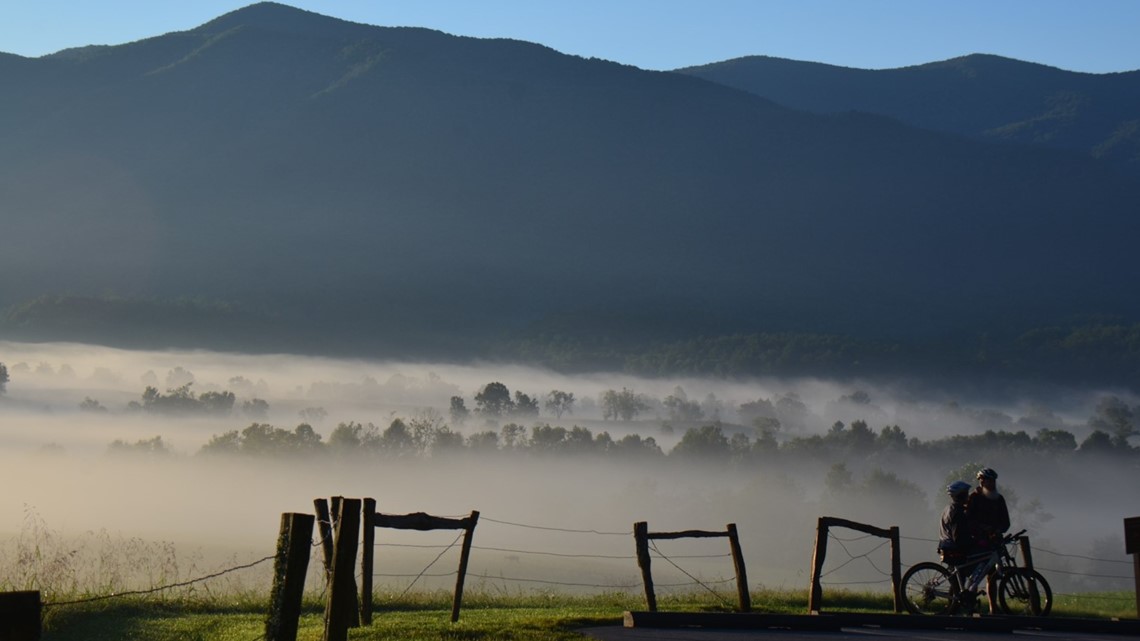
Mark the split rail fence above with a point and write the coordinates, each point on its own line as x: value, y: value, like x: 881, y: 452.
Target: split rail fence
x: 340, y: 533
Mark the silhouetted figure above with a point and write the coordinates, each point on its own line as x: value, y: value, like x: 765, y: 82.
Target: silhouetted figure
x: 988, y: 514
x: 989, y: 519
x: 955, y: 538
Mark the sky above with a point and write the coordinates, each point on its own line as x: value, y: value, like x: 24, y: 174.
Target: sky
x: 1094, y: 37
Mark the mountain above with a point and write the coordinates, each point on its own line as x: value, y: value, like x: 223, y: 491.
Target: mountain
x: 319, y: 185
x: 981, y: 96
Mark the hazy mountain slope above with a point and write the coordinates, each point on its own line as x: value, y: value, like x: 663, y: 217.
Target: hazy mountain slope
x: 414, y: 189
x: 979, y: 95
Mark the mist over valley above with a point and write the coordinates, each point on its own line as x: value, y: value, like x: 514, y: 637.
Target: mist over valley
x: 696, y: 453
x: 280, y: 256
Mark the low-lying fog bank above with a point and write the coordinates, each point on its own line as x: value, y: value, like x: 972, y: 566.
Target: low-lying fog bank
x: 557, y: 513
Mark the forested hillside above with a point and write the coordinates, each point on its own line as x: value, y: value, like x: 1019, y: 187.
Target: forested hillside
x: 981, y: 96
x: 277, y: 180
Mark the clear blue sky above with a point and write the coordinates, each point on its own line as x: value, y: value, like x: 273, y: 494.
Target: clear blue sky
x: 1080, y: 35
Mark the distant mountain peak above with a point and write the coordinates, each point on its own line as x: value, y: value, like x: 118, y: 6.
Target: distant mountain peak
x: 271, y: 16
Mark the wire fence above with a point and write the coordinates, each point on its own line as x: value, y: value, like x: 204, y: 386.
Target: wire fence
x: 862, y: 562
x: 846, y: 571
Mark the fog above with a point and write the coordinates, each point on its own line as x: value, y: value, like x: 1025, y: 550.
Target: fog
x: 555, y: 521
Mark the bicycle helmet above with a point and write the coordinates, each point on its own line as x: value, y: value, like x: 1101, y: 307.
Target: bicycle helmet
x: 958, y: 488
x: 987, y: 473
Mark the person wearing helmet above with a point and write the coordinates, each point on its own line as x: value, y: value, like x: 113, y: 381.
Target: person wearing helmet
x: 989, y: 516
x: 989, y: 519
x: 955, y: 539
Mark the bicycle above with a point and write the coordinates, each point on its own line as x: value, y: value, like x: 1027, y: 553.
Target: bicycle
x: 937, y: 588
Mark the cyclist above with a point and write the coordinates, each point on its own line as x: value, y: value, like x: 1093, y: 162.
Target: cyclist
x: 955, y: 538
x: 989, y: 518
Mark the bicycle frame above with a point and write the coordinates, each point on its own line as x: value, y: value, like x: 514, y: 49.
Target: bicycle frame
x: 1000, y: 558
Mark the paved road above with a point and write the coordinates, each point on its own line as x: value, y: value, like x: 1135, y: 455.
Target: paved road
x: 709, y: 626
x: 618, y: 633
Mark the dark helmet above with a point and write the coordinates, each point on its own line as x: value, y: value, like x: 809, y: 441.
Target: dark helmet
x: 987, y: 473
x: 958, y: 488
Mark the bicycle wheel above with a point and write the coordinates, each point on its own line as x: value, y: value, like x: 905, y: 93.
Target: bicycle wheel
x: 1024, y: 592
x: 929, y: 588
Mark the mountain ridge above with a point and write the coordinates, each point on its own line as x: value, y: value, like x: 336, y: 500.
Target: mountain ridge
x: 378, y: 183
x: 982, y: 96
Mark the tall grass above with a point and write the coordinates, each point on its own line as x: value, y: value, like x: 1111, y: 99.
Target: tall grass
x: 103, y: 586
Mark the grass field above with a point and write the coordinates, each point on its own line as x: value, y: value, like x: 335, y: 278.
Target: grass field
x: 422, y: 617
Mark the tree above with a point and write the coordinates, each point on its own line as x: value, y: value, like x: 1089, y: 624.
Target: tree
x: 228, y: 443
x: 3, y: 378
x: 305, y: 439
x: 494, y: 400
x: 839, y: 480
x: 889, y: 488
x: 791, y: 410
x: 91, y: 405
x: 1099, y: 442
x: 633, y: 445
x: 313, y: 415
x: 427, y: 428
x: 459, y: 411
x: 151, y: 447
x: 1055, y: 441
x: 525, y: 405
x: 255, y: 408
x: 544, y: 438
x: 179, y: 377
x: 180, y: 400
x: 397, y: 439
x: 708, y: 442
x: 712, y: 406
x: 891, y: 437
x: 559, y: 403
x: 752, y: 410
x: 860, y: 437
x: 513, y: 436
x: 681, y: 408
x: 486, y: 441
x: 352, y: 437
x: 345, y: 437
x: 216, y: 402
x: 262, y: 439
x: 624, y: 405
x: 446, y: 441
x: 1115, y: 417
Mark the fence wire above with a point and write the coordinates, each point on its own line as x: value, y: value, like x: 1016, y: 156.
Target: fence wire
x: 181, y: 584
x: 706, y: 584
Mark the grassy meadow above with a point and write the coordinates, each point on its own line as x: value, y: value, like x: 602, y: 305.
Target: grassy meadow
x: 424, y: 616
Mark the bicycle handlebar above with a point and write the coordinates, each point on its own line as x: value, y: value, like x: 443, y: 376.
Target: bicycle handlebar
x: 1010, y: 538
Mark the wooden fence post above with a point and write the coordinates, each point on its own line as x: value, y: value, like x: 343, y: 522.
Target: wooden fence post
x: 20, y: 616
x: 464, y: 555
x: 1132, y: 546
x: 324, y: 526
x: 896, y: 568
x: 738, y: 565
x: 367, y: 550
x: 1026, y: 553
x: 289, y: 570
x: 641, y: 541
x: 424, y: 522
x: 815, y: 595
x: 340, y: 610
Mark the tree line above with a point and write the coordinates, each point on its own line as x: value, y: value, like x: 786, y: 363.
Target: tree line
x: 1094, y: 349
x: 428, y: 435
x: 1099, y: 350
